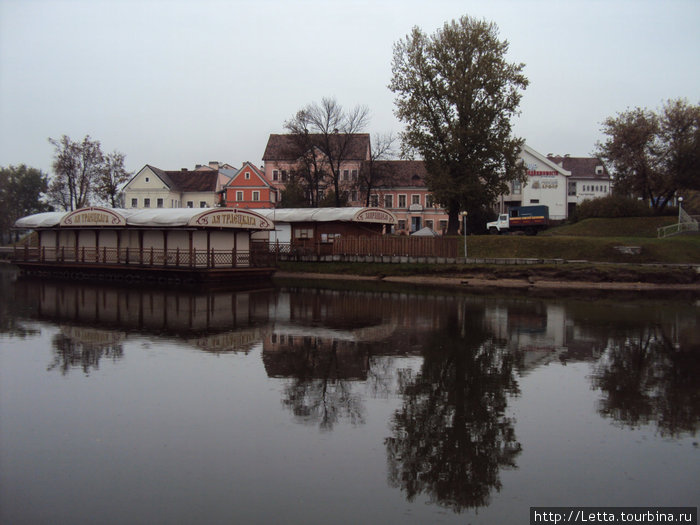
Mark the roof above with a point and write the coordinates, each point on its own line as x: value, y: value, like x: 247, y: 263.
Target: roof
x: 547, y: 161
x: 348, y: 214
x: 400, y: 173
x: 285, y: 147
x: 581, y: 167
x: 190, y: 181
x: 149, y: 217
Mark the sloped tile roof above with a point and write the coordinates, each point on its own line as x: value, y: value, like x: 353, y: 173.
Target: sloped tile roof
x: 581, y: 167
x: 189, y: 181
x: 284, y: 147
x: 400, y: 173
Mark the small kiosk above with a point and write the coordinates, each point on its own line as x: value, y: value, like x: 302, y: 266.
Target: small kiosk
x: 180, y: 245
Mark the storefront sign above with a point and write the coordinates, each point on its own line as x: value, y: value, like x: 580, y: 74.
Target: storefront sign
x: 93, y: 217
x: 375, y: 215
x: 232, y: 218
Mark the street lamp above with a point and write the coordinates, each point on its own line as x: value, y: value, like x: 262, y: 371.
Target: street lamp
x: 464, y: 232
x: 680, y: 208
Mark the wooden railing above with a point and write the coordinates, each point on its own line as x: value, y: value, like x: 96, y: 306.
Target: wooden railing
x: 258, y: 257
x: 396, y: 245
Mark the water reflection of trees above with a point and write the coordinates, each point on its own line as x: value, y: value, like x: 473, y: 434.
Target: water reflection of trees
x: 645, y: 377
x: 451, y: 437
x: 321, y: 373
x: 70, y: 353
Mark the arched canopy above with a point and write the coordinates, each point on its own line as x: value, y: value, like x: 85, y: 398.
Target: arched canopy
x: 154, y: 218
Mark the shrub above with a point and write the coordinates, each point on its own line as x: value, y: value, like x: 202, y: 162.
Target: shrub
x: 611, y: 206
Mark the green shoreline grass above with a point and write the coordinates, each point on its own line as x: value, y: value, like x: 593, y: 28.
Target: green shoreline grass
x: 588, y: 247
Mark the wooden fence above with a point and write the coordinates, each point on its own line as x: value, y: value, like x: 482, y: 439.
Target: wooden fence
x: 398, y: 246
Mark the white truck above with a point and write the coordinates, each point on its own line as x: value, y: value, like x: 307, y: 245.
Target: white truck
x: 526, y: 219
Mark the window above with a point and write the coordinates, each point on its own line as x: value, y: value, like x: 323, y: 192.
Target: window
x: 275, y: 175
x: 517, y: 187
x: 388, y: 201
x: 429, y: 203
x: 239, y: 196
x: 202, y: 204
x: 256, y: 196
x: 159, y: 203
x: 284, y: 175
x: 190, y: 204
x: 146, y: 203
x: 415, y: 199
x: 247, y: 175
x: 134, y: 203
x: 443, y: 225
x: 374, y: 200
x: 147, y: 179
x: 353, y: 195
x: 303, y: 233
x: 354, y: 174
x: 402, y: 225
x: 429, y: 224
x: 572, y: 188
x: 402, y: 201
x: 534, y: 201
x: 346, y: 174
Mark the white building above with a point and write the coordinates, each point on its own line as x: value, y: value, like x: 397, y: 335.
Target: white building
x: 546, y: 185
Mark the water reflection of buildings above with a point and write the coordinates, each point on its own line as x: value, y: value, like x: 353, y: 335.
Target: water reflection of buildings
x: 94, y: 321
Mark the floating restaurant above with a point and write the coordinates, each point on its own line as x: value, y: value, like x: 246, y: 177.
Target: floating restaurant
x: 178, y: 245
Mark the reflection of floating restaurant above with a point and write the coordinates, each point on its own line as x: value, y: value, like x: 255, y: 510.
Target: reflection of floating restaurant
x: 155, y: 245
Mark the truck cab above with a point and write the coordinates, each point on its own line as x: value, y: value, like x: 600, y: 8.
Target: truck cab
x: 500, y: 225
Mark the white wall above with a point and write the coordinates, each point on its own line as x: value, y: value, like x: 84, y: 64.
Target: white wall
x: 545, y: 186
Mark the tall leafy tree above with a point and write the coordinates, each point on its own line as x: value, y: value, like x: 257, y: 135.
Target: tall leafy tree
x: 654, y: 154
x: 457, y: 94
x: 21, y: 193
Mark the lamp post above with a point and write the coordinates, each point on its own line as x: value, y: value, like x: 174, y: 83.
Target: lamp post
x: 680, y: 208
x: 464, y: 232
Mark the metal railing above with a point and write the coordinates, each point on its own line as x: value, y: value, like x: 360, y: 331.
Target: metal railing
x: 685, y: 224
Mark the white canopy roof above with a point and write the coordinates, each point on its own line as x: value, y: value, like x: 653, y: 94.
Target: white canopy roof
x: 158, y: 217
x: 347, y: 214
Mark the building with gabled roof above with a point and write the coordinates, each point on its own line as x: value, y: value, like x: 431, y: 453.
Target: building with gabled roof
x: 249, y: 188
x: 589, y: 178
x: 153, y: 187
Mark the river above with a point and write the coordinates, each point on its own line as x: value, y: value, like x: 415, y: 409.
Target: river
x: 341, y: 403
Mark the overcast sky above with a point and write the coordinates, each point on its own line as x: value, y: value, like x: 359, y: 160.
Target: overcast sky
x: 179, y: 83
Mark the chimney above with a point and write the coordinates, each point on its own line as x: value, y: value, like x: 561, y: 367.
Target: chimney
x: 214, y: 164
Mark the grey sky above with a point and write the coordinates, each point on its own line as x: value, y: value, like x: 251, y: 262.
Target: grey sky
x: 175, y: 83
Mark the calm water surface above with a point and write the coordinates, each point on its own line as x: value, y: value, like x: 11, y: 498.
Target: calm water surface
x: 301, y: 404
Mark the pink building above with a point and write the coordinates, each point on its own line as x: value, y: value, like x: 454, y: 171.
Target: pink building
x: 401, y: 189
x: 284, y: 156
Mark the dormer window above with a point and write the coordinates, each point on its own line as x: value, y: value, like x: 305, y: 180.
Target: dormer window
x: 599, y: 170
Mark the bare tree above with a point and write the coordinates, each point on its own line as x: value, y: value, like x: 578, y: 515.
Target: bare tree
x: 83, y: 173
x: 327, y: 129
x: 76, y: 165
x: 111, y: 178
x: 374, y: 171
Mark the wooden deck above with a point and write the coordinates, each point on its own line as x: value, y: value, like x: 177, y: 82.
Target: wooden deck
x: 150, y: 265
